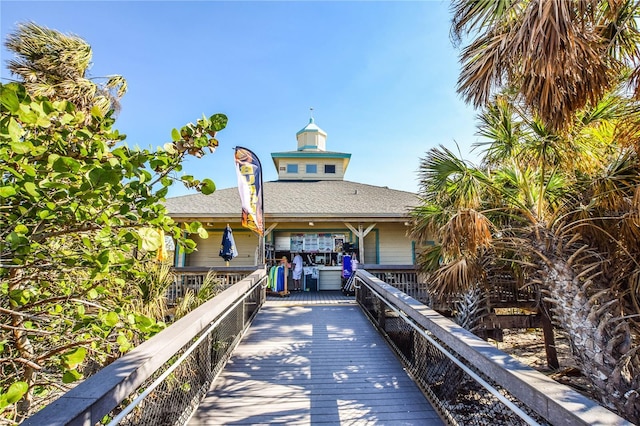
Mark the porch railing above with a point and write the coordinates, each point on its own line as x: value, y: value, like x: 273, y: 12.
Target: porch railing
x: 503, y: 292
x: 403, y: 277
x: 467, y: 379
x: 192, y: 277
x: 163, y: 380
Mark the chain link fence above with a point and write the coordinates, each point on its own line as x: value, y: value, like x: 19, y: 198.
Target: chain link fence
x: 462, y: 394
x: 172, y: 393
x: 162, y: 381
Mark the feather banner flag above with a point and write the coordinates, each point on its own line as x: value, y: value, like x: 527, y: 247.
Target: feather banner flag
x: 249, y: 172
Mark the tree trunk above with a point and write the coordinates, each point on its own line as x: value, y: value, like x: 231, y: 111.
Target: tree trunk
x: 25, y: 349
x: 600, y: 338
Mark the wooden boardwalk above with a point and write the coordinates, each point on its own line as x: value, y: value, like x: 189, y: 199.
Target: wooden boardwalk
x: 310, y: 364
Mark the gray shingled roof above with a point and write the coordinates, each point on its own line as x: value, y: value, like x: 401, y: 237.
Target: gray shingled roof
x: 306, y: 199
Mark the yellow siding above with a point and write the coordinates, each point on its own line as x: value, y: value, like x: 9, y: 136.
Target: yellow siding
x: 370, y: 248
x: 395, y: 245
x: 208, y: 250
x: 320, y: 162
x: 386, y: 244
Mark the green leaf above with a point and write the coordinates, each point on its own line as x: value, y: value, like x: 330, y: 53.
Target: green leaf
x: 15, y: 131
x: 99, y: 176
x: 64, y: 164
x: 96, y: 111
x: 150, y: 239
x: 21, y: 147
x: 111, y: 319
x: 46, y: 214
x: 7, y: 191
x: 208, y: 187
x: 21, y: 229
x: 218, y: 122
x: 74, y: 358
x: 162, y: 192
x: 32, y: 189
x: 103, y: 258
x: 175, y: 136
x: 170, y: 148
x: 16, y: 240
x: 37, y: 151
x: 27, y: 115
x: 71, y: 376
x: 143, y: 322
x: 9, y: 100
x: 16, y: 391
x: 124, y: 343
x: 28, y: 169
x: 202, y: 233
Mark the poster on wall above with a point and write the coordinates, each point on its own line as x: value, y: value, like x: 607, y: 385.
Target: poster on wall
x: 310, y: 242
x: 297, y: 242
x: 325, y: 243
x: 338, y: 243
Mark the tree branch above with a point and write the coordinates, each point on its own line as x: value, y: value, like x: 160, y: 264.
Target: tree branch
x: 22, y: 361
x: 64, y: 348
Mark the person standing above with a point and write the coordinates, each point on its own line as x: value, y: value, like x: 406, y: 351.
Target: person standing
x: 297, y: 272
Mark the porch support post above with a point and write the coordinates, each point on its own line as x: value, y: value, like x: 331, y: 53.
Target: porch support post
x: 260, y: 255
x: 360, y: 234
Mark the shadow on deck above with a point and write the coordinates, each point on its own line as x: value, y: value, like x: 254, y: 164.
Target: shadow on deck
x: 314, y: 358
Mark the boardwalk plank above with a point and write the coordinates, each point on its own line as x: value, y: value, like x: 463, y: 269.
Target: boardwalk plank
x: 314, y: 364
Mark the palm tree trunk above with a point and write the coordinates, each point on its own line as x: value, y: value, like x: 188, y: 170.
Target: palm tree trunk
x: 599, y: 337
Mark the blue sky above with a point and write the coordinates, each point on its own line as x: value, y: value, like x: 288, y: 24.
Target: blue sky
x: 380, y: 76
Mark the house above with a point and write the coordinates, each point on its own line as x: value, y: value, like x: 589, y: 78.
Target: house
x: 310, y: 209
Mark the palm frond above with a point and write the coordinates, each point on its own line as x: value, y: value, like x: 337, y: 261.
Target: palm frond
x: 55, y: 65
x: 446, y: 179
x: 455, y: 277
x: 560, y: 54
x: 465, y: 233
x: 427, y: 219
x: 499, y: 124
x: 469, y: 16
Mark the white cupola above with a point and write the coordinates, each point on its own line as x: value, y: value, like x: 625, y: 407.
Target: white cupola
x: 312, y: 138
x: 311, y: 161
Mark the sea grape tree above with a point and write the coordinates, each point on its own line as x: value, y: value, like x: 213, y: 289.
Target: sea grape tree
x: 79, y: 209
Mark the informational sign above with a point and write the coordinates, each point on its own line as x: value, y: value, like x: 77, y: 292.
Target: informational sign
x: 325, y: 243
x: 311, y: 242
x: 297, y: 242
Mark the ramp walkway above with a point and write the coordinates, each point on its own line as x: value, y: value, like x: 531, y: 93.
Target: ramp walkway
x: 313, y: 360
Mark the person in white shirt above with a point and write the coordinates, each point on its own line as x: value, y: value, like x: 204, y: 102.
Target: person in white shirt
x: 297, y: 272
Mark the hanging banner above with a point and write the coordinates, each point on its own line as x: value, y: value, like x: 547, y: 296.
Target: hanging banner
x: 249, y: 172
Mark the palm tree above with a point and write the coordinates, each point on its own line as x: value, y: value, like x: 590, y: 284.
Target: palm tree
x: 557, y: 55
x: 550, y: 210
x: 56, y: 65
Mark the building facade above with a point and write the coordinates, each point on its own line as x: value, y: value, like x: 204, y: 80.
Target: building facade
x: 310, y: 209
